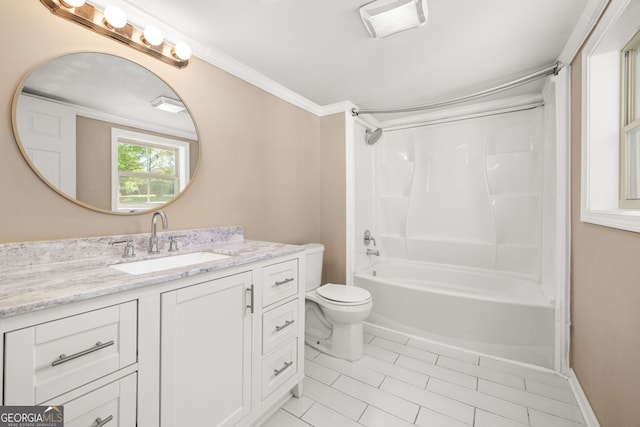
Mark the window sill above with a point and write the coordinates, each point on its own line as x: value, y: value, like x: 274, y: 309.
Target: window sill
x: 616, y: 218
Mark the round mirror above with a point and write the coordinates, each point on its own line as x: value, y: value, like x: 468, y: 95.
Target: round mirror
x: 105, y: 133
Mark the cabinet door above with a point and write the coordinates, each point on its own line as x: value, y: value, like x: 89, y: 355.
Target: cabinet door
x: 206, y: 353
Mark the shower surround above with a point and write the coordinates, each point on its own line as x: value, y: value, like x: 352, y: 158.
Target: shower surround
x: 476, y: 197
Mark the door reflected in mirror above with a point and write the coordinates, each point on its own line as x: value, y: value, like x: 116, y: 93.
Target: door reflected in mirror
x: 105, y: 133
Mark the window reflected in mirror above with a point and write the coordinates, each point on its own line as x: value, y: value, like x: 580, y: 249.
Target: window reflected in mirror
x: 149, y: 170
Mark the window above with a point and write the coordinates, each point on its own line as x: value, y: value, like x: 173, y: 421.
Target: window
x: 147, y: 171
x: 630, y: 124
x: 604, y: 158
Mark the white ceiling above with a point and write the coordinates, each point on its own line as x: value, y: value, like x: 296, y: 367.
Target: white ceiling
x: 321, y: 51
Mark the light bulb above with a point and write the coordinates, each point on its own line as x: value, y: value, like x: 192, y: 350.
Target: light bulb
x: 115, y: 17
x: 182, y: 51
x: 72, y: 3
x: 152, y: 36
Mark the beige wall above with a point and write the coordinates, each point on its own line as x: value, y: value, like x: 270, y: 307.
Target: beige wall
x: 605, y: 302
x: 334, y: 226
x: 260, y: 156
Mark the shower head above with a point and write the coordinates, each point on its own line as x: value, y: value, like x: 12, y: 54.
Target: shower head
x: 371, y: 137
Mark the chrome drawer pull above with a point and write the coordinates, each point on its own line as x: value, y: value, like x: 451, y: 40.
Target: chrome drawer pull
x: 251, y: 304
x: 286, y: 324
x: 64, y: 358
x: 277, y: 372
x: 100, y: 422
x: 282, y: 282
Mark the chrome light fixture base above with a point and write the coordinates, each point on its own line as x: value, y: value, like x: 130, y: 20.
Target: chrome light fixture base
x: 94, y: 19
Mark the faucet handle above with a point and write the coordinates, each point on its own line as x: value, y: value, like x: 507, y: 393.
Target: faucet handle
x: 173, y: 242
x: 368, y: 238
x: 129, y: 249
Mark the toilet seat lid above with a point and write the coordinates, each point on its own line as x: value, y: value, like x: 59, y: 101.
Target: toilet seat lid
x: 344, y: 294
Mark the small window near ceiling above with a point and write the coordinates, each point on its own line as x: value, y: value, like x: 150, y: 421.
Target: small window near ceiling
x: 147, y: 171
x: 630, y: 125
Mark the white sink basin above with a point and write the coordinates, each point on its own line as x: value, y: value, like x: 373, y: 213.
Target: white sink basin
x: 167, y: 263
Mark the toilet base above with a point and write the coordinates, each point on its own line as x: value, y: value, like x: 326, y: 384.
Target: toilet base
x: 346, y: 342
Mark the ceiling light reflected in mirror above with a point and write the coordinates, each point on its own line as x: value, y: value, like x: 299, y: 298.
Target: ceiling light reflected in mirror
x: 168, y: 104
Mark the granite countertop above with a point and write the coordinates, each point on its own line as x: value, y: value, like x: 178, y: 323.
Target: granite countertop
x: 40, y: 275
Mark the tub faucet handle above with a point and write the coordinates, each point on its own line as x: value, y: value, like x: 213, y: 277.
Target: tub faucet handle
x: 368, y: 238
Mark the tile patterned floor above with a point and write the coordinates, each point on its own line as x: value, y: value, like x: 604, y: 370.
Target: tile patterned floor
x: 407, y: 382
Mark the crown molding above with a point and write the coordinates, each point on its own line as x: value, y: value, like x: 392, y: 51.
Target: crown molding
x: 587, y: 22
x: 215, y: 57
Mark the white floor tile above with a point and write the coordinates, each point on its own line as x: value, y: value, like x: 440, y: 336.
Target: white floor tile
x: 374, y: 417
x: 560, y: 409
x: 558, y: 393
x: 386, y: 388
x: 389, y: 335
x: 444, y: 350
x: 428, y: 399
x: 482, y: 372
x: 321, y: 416
x: 284, y: 419
x: 541, y: 419
x: 436, y: 371
x: 486, y: 419
x: 318, y: 372
x: 480, y: 400
x: 429, y: 418
x: 416, y: 353
x: 380, y: 353
x: 310, y: 353
x: 542, y: 376
x: 298, y: 407
x: 350, y: 369
x: 378, y: 398
x: 395, y: 371
x: 334, y: 399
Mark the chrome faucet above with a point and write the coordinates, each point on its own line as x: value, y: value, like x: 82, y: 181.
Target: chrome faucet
x: 153, y: 241
x: 373, y: 252
x: 368, y: 238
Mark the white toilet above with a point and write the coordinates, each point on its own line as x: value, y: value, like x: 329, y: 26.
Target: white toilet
x: 334, y: 313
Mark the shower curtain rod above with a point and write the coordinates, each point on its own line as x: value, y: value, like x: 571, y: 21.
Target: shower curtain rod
x: 553, y: 69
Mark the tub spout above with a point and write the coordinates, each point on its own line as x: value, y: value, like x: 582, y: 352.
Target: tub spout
x: 373, y: 252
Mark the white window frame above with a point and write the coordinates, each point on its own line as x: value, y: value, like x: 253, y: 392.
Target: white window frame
x: 628, y: 120
x: 120, y: 135
x: 601, y: 118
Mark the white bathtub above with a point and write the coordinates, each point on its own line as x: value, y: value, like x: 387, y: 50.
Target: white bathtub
x: 490, y: 313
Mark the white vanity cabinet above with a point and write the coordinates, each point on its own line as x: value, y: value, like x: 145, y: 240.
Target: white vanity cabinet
x: 219, y: 348
x: 206, y: 353
x: 230, y: 347
x: 280, y: 325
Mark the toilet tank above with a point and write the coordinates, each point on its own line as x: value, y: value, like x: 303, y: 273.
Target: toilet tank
x: 314, y: 252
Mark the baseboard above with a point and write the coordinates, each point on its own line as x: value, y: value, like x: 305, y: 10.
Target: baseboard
x: 585, y: 407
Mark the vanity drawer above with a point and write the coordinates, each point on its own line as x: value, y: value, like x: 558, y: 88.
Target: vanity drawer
x: 47, y: 360
x: 279, y: 281
x: 278, y: 367
x: 279, y: 325
x: 113, y: 404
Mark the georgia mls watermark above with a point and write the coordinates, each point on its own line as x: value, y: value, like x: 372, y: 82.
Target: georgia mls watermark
x: 31, y: 416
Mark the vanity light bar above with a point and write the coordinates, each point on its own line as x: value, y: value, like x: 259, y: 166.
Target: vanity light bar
x: 94, y: 19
